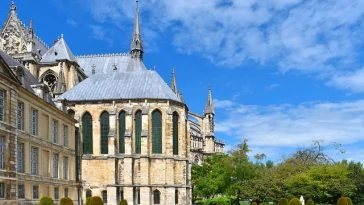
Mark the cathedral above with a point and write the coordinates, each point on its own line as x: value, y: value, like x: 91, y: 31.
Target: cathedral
x: 133, y: 136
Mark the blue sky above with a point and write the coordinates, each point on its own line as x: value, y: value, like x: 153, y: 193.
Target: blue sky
x: 283, y: 72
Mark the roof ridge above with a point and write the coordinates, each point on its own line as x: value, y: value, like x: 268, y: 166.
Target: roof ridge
x: 102, y: 55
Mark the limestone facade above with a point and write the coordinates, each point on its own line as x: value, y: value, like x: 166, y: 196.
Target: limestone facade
x: 37, y: 143
x: 136, y: 176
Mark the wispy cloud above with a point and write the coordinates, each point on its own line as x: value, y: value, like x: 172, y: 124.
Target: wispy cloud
x: 100, y: 33
x: 293, y: 126
x: 320, y: 37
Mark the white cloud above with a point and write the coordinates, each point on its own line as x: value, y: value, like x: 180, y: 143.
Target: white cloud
x: 293, y: 126
x: 319, y: 37
x: 353, y: 81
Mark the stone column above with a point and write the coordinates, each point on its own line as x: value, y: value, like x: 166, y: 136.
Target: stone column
x: 128, y: 131
x: 111, y: 196
x: 112, y: 132
x: 145, y: 198
x: 128, y: 195
x: 145, y: 129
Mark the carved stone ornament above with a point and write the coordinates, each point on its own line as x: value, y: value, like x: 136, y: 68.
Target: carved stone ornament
x: 11, y: 39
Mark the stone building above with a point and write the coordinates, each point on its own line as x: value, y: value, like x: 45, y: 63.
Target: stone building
x: 37, y: 140
x: 137, y: 136
x: 202, y: 132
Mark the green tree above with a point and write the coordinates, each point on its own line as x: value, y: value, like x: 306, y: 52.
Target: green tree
x: 213, y: 177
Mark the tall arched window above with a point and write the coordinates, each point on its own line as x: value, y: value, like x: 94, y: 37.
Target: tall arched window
x: 122, y: 132
x: 157, y: 132
x: 104, y: 128
x: 138, y: 131
x: 87, y: 133
x: 175, y: 133
x: 156, y: 197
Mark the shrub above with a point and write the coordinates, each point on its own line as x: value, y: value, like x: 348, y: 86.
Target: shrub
x: 310, y: 202
x: 283, y: 201
x: 123, y: 202
x: 88, y: 199
x: 46, y: 201
x: 96, y: 200
x: 262, y: 203
x: 66, y: 201
x: 254, y: 203
x: 349, y: 201
x: 342, y: 201
x: 294, y: 201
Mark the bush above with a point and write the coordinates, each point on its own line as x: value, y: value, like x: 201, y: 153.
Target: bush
x: 342, y: 201
x: 217, y: 201
x: 88, y: 199
x: 123, y: 202
x: 254, y: 203
x: 294, y: 201
x: 310, y: 202
x: 46, y: 201
x: 349, y: 201
x: 96, y: 200
x: 66, y: 201
x: 283, y: 201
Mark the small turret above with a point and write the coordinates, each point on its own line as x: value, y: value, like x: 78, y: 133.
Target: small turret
x: 60, y: 86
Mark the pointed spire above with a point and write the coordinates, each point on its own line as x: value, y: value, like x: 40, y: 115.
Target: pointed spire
x: 209, y: 108
x: 31, y: 29
x: 136, y: 50
x: 60, y: 87
x: 173, y: 82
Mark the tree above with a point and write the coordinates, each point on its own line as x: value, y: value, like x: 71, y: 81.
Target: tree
x: 213, y: 177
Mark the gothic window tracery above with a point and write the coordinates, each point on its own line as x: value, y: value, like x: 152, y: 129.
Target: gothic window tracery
x: 50, y: 79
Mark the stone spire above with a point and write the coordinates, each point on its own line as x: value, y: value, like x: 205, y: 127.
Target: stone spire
x: 60, y: 87
x: 31, y: 29
x: 209, y: 108
x: 173, y: 82
x: 136, y: 50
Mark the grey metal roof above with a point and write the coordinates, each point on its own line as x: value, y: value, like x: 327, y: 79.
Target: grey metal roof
x: 59, y: 51
x: 29, y: 79
x: 106, y: 63
x: 118, y: 85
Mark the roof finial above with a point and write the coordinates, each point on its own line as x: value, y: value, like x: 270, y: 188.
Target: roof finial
x: 136, y: 50
x: 209, y: 108
x: 12, y: 6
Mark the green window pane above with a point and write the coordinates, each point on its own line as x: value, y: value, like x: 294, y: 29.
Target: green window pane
x: 138, y: 131
x: 87, y: 133
x: 157, y: 132
x: 175, y: 133
x: 104, y: 127
x: 122, y: 132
